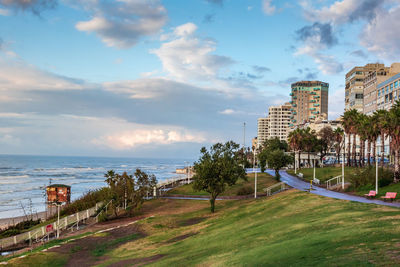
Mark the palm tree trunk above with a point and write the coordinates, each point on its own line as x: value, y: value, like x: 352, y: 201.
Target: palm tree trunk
x: 396, y: 165
x: 354, y: 150
x: 361, y: 158
x: 369, y: 152
x: 374, y: 150
x: 299, y: 166
x: 382, y: 149
x: 348, y: 151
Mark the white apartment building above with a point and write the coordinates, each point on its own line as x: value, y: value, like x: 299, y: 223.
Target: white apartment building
x: 276, y: 124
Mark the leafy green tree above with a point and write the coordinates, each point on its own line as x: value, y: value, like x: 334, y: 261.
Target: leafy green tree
x: 278, y: 159
x: 296, y: 142
x: 218, y: 168
x: 393, y: 129
x: 326, y: 139
x: 129, y: 190
x: 269, y: 146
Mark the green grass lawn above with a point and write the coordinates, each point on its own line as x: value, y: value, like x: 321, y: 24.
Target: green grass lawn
x: 292, y: 228
x: 382, y: 190
x: 264, y: 180
x: 323, y: 174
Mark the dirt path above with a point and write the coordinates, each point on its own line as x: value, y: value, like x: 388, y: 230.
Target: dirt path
x: 91, y: 250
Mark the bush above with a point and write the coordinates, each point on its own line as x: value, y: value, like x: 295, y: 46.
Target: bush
x: 245, y: 190
x: 365, y: 178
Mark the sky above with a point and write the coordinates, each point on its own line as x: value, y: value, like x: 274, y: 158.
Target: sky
x: 162, y: 78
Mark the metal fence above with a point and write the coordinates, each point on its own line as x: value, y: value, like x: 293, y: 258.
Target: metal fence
x: 338, y: 180
x: 40, y: 232
x: 275, y: 188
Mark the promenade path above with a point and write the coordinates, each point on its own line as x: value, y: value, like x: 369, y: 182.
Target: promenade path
x: 304, y: 186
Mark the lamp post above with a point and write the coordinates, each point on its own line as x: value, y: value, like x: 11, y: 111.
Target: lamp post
x: 255, y: 172
x: 343, y: 157
x: 295, y: 166
x: 376, y: 173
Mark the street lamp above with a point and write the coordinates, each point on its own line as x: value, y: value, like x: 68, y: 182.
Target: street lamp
x: 255, y: 172
x: 343, y: 157
x: 376, y: 173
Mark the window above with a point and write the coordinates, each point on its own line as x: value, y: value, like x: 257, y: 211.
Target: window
x: 396, y: 83
x: 379, y: 92
x: 387, y: 89
x: 391, y: 87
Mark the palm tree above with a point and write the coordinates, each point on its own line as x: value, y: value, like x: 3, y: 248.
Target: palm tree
x: 296, y: 141
x: 381, y: 121
x: 338, y: 136
x: 372, y: 135
x: 349, y: 120
x: 309, y: 142
x: 393, y: 127
x: 362, y: 131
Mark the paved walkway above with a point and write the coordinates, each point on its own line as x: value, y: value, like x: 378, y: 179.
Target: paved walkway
x: 304, y: 186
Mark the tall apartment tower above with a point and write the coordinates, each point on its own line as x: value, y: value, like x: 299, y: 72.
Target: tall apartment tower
x: 371, y: 83
x: 275, y: 125
x: 354, y: 92
x: 309, y: 101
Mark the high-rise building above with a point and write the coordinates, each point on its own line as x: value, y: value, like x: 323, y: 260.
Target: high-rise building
x: 275, y: 125
x: 309, y: 101
x: 354, y: 92
x: 371, y: 81
x: 388, y: 92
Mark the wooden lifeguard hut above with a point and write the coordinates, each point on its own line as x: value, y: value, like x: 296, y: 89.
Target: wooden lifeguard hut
x: 58, y: 194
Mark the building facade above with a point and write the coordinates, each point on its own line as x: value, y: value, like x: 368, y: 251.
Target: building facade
x: 309, y: 101
x: 354, y: 91
x: 371, y: 82
x: 388, y: 92
x: 275, y: 125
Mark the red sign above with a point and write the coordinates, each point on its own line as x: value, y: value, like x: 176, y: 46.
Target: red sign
x: 49, y: 228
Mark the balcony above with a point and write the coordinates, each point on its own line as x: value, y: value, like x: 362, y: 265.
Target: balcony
x: 316, y: 97
x: 293, y: 121
x: 311, y: 117
x: 316, y: 105
x: 315, y: 112
x: 317, y: 89
x: 312, y: 108
x: 294, y: 113
x: 313, y: 101
x: 291, y: 94
x: 291, y: 102
x: 295, y: 97
x: 294, y: 105
x: 313, y: 93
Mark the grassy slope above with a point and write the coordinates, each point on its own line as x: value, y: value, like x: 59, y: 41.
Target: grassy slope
x: 263, y: 180
x: 323, y: 174
x: 291, y: 228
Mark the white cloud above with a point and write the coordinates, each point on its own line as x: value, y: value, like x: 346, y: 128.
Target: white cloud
x: 336, y: 104
x: 17, y: 75
x: 268, y: 8
x: 228, y: 111
x: 4, y: 12
x: 161, y: 136
x: 187, y: 57
x: 122, y: 23
x: 382, y: 34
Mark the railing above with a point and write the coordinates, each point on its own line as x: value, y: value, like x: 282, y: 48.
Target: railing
x: 38, y: 233
x: 334, y: 181
x: 275, y: 188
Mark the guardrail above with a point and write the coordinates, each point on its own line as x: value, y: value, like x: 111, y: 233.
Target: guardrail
x: 334, y: 181
x: 38, y: 233
x: 275, y: 188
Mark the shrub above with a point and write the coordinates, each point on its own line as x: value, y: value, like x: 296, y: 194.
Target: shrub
x: 365, y: 178
x: 245, y: 190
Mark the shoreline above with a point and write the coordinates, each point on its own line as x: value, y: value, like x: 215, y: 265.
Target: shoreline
x: 6, y: 222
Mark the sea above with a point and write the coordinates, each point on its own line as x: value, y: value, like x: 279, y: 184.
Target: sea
x: 23, y: 178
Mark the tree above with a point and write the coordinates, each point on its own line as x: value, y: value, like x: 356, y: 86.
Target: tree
x: 325, y: 141
x: 278, y: 159
x: 381, y: 122
x: 362, y: 131
x: 393, y: 129
x: 218, y: 168
x: 338, y: 136
x: 269, y: 146
x: 309, y: 142
x: 129, y: 190
x: 296, y: 141
x: 349, y: 120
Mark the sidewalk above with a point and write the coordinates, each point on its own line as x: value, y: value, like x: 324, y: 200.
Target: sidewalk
x: 304, y: 186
